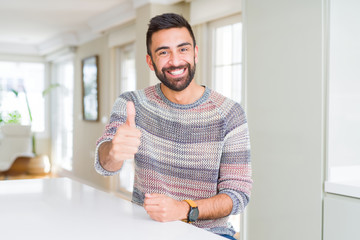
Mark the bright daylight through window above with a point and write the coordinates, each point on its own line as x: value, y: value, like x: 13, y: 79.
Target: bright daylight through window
x: 126, y: 81
x: 227, y: 61
x: 18, y: 81
x: 62, y: 114
x: 344, y: 98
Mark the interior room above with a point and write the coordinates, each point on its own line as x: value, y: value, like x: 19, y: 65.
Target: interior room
x: 292, y: 66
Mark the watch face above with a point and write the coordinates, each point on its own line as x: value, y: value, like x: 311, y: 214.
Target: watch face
x: 193, y: 214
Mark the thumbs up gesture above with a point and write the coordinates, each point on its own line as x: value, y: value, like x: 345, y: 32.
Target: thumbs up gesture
x: 127, y: 137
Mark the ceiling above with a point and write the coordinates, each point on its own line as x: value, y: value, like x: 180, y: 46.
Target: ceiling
x: 35, y: 21
x: 29, y: 25
x: 39, y: 27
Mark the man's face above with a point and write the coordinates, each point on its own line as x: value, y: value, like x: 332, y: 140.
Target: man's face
x: 173, y: 57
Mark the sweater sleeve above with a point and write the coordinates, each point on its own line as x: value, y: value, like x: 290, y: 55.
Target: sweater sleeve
x: 235, y: 169
x: 117, y: 118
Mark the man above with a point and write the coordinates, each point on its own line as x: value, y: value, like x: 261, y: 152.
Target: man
x: 190, y: 144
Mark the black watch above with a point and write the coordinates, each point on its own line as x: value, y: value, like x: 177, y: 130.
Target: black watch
x: 194, y: 211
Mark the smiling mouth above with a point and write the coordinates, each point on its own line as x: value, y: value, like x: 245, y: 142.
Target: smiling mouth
x: 177, y: 72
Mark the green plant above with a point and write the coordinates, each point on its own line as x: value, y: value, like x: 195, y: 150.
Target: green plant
x: 44, y: 93
x: 13, y: 117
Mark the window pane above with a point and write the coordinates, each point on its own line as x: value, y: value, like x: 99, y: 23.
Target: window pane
x: 237, y: 43
x: 224, y: 78
x: 63, y: 115
x: 126, y: 80
x: 223, y: 45
x: 236, y: 82
x: 21, y: 77
x: 125, y: 73
x: 227, y: 73
x: 344, y: 85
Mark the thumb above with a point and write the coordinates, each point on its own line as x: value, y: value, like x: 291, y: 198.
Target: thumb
x: 130, y: 112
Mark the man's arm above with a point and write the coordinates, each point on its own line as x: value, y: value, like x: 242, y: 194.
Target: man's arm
x: 106, y: 160
x: 163, y: 208
x: 124, y: 144
x: 215, y: 207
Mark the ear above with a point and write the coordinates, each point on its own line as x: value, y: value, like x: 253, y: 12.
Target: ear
x: 149, y: 62
x: 196, y: 54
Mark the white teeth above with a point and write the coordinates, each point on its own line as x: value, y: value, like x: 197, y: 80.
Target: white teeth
x: 177, y: 72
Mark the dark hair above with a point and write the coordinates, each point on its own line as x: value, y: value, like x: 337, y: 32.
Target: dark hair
x: 166, y: 21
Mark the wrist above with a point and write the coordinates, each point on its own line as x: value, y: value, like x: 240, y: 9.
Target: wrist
x: 193, y: 213
x: 185, y: 208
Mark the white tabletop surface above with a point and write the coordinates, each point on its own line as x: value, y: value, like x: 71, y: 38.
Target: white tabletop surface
x: 61, y: 208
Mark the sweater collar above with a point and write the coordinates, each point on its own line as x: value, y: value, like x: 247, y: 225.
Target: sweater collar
x: 198, y: 102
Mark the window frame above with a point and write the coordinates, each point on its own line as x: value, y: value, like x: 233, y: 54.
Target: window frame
x: 119, y: 57
x: 119, y: 51
x: 237, y: 221
x: 211, y: 26
x: 59, y: 166
x: 341, y: 177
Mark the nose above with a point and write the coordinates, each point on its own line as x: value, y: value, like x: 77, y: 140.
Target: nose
x: 175, y: 59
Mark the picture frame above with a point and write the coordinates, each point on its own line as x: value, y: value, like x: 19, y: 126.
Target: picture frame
x: 90, y: 88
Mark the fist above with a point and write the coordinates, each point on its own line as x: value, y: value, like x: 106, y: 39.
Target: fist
x: 162, y: 208
x: 127, y: 137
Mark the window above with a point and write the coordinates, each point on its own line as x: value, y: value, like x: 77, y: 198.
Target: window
x: 226, y: 65
x: 62, y: 114
x: 126, y: 73
x: 125, y: 81
x: 344, y: 97
x: 23, y: 77
x: 226, y: 60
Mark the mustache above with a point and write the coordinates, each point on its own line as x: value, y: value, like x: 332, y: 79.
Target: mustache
x: 172, y: 68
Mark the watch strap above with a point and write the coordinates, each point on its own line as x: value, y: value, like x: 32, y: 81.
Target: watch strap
x: 191, y: 203
x: 193, y: 206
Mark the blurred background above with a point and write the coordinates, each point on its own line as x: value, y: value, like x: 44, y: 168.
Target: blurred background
x: 292, y: 65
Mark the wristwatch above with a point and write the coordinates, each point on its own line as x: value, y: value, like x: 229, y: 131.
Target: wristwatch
x: 194, y: 211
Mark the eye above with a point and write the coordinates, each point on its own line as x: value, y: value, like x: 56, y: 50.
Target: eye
x: 162, y: 53
x: 184, y: 49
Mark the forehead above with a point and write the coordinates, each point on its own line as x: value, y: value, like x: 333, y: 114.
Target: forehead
x: 170, y: 37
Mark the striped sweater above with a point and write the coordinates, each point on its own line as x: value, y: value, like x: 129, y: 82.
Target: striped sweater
x: 190, y: 151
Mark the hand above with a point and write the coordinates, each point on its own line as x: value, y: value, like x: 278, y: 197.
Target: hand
x: 127, y: 137
x: 162, y: 208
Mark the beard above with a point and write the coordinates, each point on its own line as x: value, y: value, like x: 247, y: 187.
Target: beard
x: 176, y: 84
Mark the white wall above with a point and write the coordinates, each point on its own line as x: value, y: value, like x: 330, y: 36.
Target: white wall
x: 202, y: 11
x: 86, y: 133
x: 285, y: 106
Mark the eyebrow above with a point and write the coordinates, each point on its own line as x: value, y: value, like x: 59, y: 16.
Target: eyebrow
x: 166, y: 47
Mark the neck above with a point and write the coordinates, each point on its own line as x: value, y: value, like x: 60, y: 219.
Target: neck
x: 187, y: 96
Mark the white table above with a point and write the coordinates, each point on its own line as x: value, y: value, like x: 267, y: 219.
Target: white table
x: 61, y: 208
